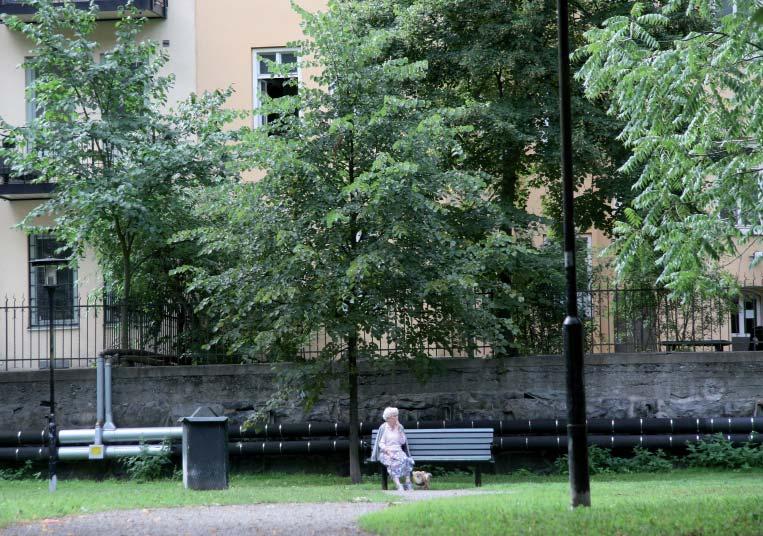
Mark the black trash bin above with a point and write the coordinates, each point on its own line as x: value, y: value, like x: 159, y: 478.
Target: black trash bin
x: 205, y: 450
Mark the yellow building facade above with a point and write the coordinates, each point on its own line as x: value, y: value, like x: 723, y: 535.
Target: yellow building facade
x: 212, y: 44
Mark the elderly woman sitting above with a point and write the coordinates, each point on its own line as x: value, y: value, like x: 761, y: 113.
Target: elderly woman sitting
x: 391, y: 449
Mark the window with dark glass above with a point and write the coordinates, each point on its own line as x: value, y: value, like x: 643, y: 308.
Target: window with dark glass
x: 45, y: 250
x: 110, y: 307
x: 32, y: 110
x: 274, y: 84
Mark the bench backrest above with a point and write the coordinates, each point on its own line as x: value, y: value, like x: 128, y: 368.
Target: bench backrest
x: 448, y: 444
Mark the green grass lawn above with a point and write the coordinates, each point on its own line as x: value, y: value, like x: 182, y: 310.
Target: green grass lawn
x: 685, y: 502
x: 30, y: 499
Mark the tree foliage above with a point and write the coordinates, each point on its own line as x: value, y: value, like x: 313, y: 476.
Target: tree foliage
x: 497, y: 61
x: 366, y: 225
x: 693, y: 121
x: 126, y: 167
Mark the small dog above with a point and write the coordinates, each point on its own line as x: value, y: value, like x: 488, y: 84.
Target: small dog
x: 421, y: 479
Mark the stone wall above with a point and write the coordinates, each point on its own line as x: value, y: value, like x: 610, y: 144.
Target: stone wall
x: 618, y: 385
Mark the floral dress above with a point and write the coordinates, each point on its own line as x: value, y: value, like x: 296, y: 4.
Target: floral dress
x: 391, y: 452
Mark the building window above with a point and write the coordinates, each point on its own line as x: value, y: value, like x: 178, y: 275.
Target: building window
x: 744, y: 319
x: 269, y: 84
x: 747, y: 222
x: 43, y: 251
x: 110, y: 307
x: 32, y: 110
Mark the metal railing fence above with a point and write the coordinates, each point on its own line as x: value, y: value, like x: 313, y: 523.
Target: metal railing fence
x: 617, y: 319
x: 638, y: 319
x: 155, y: 333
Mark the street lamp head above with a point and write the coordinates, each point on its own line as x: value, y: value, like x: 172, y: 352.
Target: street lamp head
x: 51, y: 275
x: 49, y: 267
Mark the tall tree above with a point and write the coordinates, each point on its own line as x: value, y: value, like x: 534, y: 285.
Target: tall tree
x: 694, y: 124
x: 363, y: 226
x: 497, y: 60
x: 125, y: 167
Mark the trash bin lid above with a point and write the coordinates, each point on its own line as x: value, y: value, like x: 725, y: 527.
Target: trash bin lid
x: 203, y: 414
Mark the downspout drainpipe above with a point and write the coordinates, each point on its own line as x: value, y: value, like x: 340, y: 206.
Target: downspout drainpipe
x: 99, y: 401
x: 109, y: 424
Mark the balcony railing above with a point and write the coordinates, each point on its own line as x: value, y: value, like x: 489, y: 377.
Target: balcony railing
x: 15, y: 187
x: 108, y: 9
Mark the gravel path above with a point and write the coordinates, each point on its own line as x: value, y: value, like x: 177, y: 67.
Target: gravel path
x: 260, y: 519
x: 257, y: 519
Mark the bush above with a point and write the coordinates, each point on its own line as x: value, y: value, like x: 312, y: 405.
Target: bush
x: 601, y: 461
x: 646, y: 461
x: 717, y: 451
x: 145, y: 467
x: 25, y: 472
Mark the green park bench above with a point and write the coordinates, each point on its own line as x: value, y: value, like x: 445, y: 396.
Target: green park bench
x: 447, y: 446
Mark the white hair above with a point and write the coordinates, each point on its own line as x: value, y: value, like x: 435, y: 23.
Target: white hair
x: 389, y: 412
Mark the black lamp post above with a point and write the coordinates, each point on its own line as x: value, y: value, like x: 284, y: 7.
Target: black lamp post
x: 572, y: 329
x: 51, y: 282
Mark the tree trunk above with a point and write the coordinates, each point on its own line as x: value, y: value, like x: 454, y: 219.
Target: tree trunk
x: 505, y: 312
x: 124, y: 313
x: 352, y: 369
x: 508, y: 194
x: 352, y: 341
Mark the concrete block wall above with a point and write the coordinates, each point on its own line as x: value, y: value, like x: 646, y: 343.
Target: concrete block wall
x: 715, y: 384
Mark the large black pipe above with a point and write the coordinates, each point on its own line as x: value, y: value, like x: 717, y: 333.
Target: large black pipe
x: 500, y: 444
x: 302, y: 429
x: 638, y: 426
x: 706, y: 425
x: 23, y: 453
x: 320, y: 446
x: 524, y: 427
x: 663, y: 441
x: 24, y: 437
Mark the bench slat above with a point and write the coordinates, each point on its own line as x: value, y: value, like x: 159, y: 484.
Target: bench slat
x: 422, y: 437
x: 454, y: 459
x: 443, y: 441
x: 449, y: 431
x: 438, y: 433
x: 452, y: 449
x: 465, y: 448
x: 437, y: 436
x: 454, y: 444
x: 445, y: 430
x: 455, y: 453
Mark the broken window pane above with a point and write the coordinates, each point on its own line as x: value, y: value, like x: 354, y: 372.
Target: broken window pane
x: 276, y: 88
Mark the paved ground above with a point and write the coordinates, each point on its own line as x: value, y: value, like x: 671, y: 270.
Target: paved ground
x: 258, y: 519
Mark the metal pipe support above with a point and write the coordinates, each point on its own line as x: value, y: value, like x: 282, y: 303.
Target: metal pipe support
x: 109, y: 424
